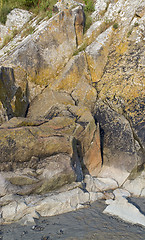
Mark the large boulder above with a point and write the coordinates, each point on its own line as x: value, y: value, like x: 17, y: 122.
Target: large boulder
x: 42, y: 54
x: 117, y: 143
x: 42, y: 140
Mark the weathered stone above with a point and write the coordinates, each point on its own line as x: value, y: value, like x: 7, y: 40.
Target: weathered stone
x: 9, y: 211
x: 142, y: 193
x: 12, y: 98
x: 140, y: 11
x: 93, y: 158
x: 94, y: 31
x: 79, y: 24
x: 121, y: 193
x: 5, y: 200
x: 101, y: 7
x: 117, y: 140
x: 43, y: 55
x: 22, y: 180
x: 65, y: 4
x: 27, y: 220
x: 94, y: 196
x: 99, y: 184
x: 17, y: 122
x: 35, y: 142
x: 75, y: 71
x: 125, y: 210
x: 135, y: 186
x: 54, y: 172
x: 122, y: 84
x: 97, y: 53
x: 51, y: 103
x: 15, y: 20
x: 58, y: 204
x: 3, y: 186
x: 84, y: 94
x: 86, y: 137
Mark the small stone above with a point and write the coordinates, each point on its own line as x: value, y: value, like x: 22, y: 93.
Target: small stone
x: 60, y: 232
x: 37, y: 228
x: 121, y: 193
x: 45, y: 238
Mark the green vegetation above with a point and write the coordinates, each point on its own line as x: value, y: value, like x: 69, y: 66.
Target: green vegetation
x: 41, y: 7
x: 129, y: 33
x: 9, y: 37
x: 115, y: 25
x: 44, y: 7
x: 28, y: 30
x: 4, y: 10
x: 136, y: 24
x: 88, y: 9
x: 81, y: 48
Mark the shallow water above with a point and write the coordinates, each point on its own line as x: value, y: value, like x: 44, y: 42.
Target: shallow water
x: 85, y: 224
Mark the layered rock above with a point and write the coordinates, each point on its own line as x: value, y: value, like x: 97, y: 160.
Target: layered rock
x: 15, y: 21
x: 87, y: 118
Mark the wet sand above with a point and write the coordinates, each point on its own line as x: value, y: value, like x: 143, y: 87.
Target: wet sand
x: 85, y: 224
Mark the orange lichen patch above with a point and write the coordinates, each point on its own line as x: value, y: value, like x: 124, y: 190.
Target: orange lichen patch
x: 74, y: 72
x: 43, y: 78
x: 122, y: 47
x: 123, y: 84
x: 68, y: 83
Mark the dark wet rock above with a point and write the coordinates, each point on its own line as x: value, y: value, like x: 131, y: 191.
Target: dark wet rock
x: 13, y: 98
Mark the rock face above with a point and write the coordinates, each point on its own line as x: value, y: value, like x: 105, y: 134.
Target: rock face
x: 117, y: 142
x: 97, y: 53
x: 44, y: 54
x: 12, y: 99
x: 73, y: 104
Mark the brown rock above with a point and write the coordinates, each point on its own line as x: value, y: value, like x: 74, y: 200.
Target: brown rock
x: 79, y: 24
x: 93, y: 158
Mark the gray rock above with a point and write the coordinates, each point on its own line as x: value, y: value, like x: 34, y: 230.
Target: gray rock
x: 117, y: 140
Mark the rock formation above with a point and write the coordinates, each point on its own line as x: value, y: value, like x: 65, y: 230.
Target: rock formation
x: 72, y: 104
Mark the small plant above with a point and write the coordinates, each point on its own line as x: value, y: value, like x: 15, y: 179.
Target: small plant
x: 6, y: 40
x: 89, y: 6
x: 4, y: 12
x: 81, y: 48
x: 129, y: 33
x: 9, y: 37
x: 88, y: 22
x: 115, y: 25
x: 88, y: 9
x: 29, y: 30
x: 136, y: 24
